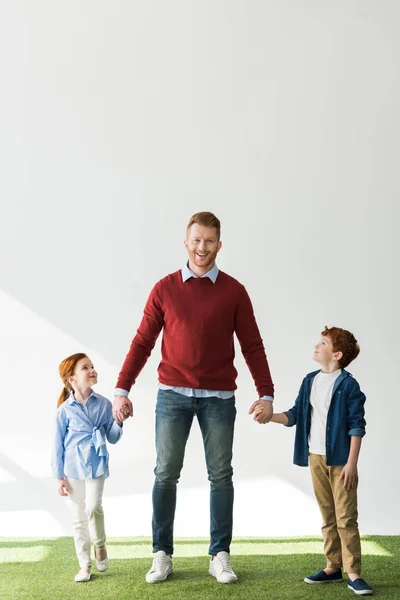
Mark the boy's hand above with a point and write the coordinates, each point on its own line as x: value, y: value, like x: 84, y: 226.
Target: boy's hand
x: 348, y: 474
x: 63, y: 487
x: 262, y: 410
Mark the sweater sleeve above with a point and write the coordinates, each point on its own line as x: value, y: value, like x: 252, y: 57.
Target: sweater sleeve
x: 252, y: 345
x: 144, y: 340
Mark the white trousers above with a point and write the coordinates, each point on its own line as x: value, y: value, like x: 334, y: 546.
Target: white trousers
x: 85, y: 501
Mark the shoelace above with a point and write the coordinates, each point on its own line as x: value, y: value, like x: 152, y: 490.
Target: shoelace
x: 159, y: 562
x: 226, y: 563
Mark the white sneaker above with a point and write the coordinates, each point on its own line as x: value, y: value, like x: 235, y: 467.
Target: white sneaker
x: 220, y: 568
x: 83, y: 575
x: 160, y: 569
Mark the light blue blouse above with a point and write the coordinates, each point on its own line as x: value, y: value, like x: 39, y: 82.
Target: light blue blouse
x: 79, y: 444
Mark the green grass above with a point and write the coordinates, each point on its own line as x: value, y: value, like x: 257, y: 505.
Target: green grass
x: 268, y: 569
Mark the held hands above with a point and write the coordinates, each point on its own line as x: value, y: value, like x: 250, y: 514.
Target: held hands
x: 122, y: 408
x: 262, y: 411
x: 349, y: 475
x: 63, y: 487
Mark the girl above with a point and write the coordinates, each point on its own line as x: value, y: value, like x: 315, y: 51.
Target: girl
x: 80, y: 458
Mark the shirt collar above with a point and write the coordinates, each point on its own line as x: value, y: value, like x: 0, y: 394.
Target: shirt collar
x: 211, y: 274
x: 71, y: 398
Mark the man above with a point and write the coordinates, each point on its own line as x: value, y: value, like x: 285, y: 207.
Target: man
x: 199, y: 308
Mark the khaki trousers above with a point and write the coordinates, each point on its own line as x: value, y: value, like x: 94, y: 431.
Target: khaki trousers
x: 339, y: 515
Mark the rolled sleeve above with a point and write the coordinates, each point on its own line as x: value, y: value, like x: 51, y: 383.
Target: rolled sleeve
x: 291, y: 415
x: 355, y: 411
x: 357, y: 432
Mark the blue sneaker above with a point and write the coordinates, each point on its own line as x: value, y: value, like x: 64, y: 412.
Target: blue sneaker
x: 360, y: 587
x: 322, y: 577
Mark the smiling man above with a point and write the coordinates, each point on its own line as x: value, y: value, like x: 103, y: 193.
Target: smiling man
x: 200, y: 309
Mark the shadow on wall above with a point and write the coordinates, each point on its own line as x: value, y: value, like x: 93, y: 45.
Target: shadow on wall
x: 29, y: 493
x: 257, y: 454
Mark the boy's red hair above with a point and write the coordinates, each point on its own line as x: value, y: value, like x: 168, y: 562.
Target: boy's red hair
x: 343, y: 341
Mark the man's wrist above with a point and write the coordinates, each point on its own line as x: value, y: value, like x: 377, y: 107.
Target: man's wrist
x: 121, y: 392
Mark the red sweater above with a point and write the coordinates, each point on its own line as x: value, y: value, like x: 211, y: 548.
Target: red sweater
x: 199, y: 318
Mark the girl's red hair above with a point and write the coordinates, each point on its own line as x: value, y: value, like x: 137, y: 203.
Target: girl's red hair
x: 66, y: 370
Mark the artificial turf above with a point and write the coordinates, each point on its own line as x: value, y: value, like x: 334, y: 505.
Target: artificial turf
x: 273, y: 569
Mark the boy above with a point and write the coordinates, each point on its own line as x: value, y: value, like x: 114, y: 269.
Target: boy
x: 329, y: 415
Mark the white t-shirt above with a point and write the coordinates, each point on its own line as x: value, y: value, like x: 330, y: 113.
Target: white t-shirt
x: 320, y: 400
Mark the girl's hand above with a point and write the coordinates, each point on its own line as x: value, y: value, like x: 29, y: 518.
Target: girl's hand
x: 63, y: 487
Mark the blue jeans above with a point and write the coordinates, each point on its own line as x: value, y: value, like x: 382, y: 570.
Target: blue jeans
x: 174, y: 416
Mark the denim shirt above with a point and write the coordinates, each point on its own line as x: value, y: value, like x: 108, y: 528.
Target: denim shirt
x: 345, y: 419
x: 79, y: 443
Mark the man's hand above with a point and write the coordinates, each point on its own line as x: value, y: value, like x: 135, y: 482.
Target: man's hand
x: 63, y: 487
x: 348, y: 474
x: 122, y: 408
x: 262, y: 410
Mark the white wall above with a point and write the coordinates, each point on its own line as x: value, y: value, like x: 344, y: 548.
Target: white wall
x: 121, y: 119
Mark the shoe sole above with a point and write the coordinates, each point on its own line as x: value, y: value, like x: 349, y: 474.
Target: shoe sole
x: 82, y: 580
x: 328, y: 581
x: 361, y: 592
x: 160, y: 580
